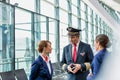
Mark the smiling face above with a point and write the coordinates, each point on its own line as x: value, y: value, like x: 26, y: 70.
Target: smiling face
x: 44, y: 47
x: 74, y: 39
x: 48, y: 48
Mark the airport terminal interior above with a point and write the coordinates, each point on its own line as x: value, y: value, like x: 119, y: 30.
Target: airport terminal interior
x: 23, y: 23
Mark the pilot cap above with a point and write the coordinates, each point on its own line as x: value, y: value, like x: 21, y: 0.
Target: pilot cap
x: 73, y: 31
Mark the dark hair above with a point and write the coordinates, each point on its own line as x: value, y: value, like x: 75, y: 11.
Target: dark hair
x: 42, y: 44
x: 73, y: 33
x: 103, y: 40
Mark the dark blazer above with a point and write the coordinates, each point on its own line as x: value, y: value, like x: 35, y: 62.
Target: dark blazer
x: 40, y: 71
x: 97, y: 63
x: 84, y: 54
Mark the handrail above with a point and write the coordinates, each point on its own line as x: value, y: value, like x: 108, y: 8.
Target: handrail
x: 9, y: 60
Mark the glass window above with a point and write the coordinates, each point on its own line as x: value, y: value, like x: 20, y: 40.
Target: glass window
x: 63, y: 4
x: 53, y: 38
x: 43, y: 36
x: 52, y: 1
x: 43, y: 24
x: 53, y: 55
x: 6, y: 38
x: 74, y: 21
x: 0, y: 42
x: 89, y: 34
x: 23, y: 52
x: 22, y: 18
x: 63, y: 16
x: 74, y: 10
x: 63, y: 37
x: 82, y: 15
x: 83, y: 28
x: 89, y: 19
x: 24, y: 4
x: 82, y: 6
x: 82, y: 24
x: 74, y: 2
x: 89, y: 10
x: 40, y: 28
x: 47, y: 8
x: 23, y: 43
x: 52, y: 27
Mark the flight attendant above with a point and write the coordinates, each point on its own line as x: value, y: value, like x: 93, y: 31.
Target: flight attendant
x: 42, y: 68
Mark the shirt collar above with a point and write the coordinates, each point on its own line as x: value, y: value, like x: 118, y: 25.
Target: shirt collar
x: 76, y: 44
x: 45, y: 58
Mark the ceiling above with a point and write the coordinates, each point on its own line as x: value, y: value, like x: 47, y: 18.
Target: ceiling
x: 114, y: 4
x: 118, y: 1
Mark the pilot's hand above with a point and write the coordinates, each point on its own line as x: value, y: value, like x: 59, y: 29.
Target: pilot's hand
x: 71, y: 67
x: 77, y: 68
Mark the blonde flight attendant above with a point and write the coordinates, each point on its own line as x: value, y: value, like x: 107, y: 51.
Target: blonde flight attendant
x: 41, y: 68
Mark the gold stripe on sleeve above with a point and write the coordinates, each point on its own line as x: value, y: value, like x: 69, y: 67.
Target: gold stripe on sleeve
x: 87, y: 66
x: 63, y: 66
